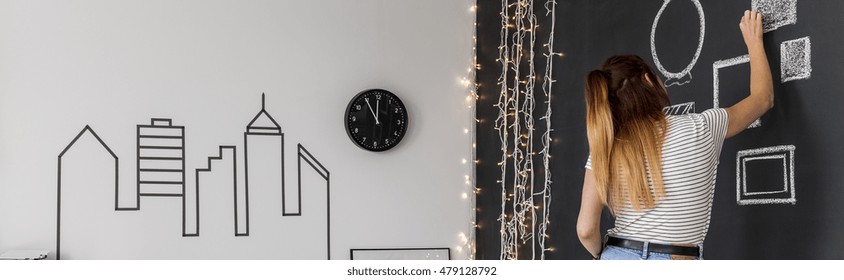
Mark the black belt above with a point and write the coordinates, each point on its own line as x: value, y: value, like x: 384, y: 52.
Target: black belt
x: 653, y: 247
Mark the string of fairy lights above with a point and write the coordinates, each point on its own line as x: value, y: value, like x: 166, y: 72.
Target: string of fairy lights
x: 523, y: 220
x: 467, y: 239
x: 501, y: 125
x: 547, y: 82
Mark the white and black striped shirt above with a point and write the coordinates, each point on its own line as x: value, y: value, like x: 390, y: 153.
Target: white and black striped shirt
x: 689, y: 164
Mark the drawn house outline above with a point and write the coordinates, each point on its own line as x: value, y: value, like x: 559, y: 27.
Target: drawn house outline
x: 88, y: 129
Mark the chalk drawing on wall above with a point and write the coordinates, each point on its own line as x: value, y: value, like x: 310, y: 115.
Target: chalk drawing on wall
x: 716, y: 67
x: 59, y: 181
x: 775, y: 13
x: 220, y: 156
x: 400, y: 254
x: 161, y: 159
x: 753, y: 193
x: 303, y: 154
x: 677, y: 78
x: 796, y: 59
x: 680, y: 109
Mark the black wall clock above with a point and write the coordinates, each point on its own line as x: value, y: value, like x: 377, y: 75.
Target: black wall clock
x: 376, y: 120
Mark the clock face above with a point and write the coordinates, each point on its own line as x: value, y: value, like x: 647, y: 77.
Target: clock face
x: 376, y: 120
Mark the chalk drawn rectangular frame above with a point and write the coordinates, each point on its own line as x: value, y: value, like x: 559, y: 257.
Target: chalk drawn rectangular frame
x: 803, y: 69
x: 716, y: 67
x: 409, y: 252
x: 785, y: 153
x: 775, y: 16
x: 753, y: 158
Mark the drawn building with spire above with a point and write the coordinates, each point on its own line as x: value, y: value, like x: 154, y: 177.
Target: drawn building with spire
x: 262, y: 195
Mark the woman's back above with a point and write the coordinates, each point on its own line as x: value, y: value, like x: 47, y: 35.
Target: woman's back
x: 689, y: 162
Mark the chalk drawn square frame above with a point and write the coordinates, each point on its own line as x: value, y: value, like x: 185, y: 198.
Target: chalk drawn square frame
x: 783, y: 153
x: 769, y: 157
x: 385, y: 252
x: 796, y: 69
x: 721, y: 64
x: 774, y: 18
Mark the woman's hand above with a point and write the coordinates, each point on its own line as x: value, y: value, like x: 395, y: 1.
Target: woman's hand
x: 761, y: 97
x: 751, y: 29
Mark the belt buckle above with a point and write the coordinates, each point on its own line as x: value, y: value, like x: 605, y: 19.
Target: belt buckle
x: 645, y: 250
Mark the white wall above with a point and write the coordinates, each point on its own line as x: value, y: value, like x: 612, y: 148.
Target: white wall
x: 115, y: 64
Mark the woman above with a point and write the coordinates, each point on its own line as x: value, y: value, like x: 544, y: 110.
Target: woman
x: 656, y: 173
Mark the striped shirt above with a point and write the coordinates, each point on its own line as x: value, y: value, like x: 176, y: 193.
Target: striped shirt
x: 689, y: 164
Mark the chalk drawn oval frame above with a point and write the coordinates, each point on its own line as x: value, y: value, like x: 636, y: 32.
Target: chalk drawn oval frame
x: 684, y: 72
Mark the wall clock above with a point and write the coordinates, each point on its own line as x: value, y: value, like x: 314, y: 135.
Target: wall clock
x: 376, y: 120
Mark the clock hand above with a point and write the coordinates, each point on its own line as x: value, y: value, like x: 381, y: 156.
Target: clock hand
x: 373, y: 112
x: 377, y: 109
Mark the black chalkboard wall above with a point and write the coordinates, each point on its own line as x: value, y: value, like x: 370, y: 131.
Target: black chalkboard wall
x: 807, y: 115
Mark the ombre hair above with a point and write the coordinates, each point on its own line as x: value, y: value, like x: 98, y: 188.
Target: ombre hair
x: 626, y: 127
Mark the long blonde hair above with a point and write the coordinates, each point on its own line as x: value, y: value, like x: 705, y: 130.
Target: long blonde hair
x: 626, y: 127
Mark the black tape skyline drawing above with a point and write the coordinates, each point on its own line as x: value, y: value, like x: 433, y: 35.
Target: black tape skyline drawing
x: 160, y: 171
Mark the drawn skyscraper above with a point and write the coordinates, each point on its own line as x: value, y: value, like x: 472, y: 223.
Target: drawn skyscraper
x: 161, y: 168
x: 264, y: 174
